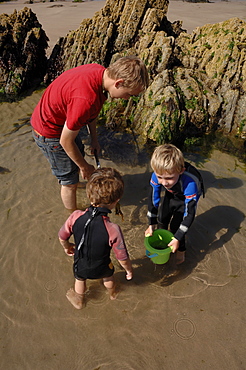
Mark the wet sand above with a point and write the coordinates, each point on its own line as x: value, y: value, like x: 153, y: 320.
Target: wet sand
x: 190, y: 318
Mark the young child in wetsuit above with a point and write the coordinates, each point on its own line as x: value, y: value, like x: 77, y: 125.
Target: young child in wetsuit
x: 177, y: 208
x: 95, y: 235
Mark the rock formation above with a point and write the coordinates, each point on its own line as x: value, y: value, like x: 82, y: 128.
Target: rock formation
x: 203, y: 90
x: 22, y: 52
x: 121, y: 27
x: 198, y: 81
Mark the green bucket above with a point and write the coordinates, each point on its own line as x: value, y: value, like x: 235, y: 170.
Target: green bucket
x: 156, y: 246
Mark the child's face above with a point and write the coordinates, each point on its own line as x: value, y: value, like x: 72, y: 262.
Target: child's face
x: 168, y: 180
x: 118, y: 91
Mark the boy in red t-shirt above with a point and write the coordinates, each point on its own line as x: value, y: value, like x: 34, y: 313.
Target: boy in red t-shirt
x: 72, y: 100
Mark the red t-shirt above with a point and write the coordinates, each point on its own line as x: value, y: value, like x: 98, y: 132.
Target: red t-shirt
x: 75, y: 97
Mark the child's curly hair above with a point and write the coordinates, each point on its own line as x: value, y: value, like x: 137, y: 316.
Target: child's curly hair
x: 105, y: 186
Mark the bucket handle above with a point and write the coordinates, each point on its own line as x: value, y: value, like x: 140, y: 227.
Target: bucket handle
x: 151, y: 255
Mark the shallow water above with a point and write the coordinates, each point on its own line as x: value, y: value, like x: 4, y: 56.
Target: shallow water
x: 165, y: 318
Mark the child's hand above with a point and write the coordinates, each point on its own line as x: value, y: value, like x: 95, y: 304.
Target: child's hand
x: 129, y: 275
x: 69, y: 249
x: 174, y: 244
x: 150, y: 230
x: 127, y: 265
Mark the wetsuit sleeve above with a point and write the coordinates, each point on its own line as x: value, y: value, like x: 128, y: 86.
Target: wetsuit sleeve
x: 153, y: 199
x: 116, y: 240
x: 190, y: 191
x: 66, y: 230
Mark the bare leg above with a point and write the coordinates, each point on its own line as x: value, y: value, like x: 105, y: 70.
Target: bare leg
x: 109, y: 283
x: 68, y: 196
x: 76, y: 295
x: 80, y: 286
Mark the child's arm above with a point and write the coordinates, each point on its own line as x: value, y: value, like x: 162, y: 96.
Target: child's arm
x: 66, y: 231
x: 154, y: 198
x: 127, y: 265
x: 190, y: 192
x: 68, y: 247
x: 117, y: 242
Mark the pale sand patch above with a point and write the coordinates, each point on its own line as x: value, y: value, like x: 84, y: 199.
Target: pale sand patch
x: 198, y: 14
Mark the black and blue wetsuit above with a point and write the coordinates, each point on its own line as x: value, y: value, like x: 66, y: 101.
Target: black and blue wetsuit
x: 177, y: 209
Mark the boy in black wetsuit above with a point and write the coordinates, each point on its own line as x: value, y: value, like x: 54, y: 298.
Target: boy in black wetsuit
x: 177, y: 209
x: 95, y: 235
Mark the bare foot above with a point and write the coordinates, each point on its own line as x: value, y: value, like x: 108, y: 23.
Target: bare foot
x: 180, y: 257
x: 113, y: 296
x: 75, y: 299
x: 113, y: 293
x: 129, y: 275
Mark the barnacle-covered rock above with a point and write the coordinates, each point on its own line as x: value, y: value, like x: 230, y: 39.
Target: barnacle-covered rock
x: 23, y: 43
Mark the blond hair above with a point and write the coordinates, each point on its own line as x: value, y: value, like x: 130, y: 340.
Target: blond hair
x: 132, y: 70
x: 167, y: 158
x: 105, y: 186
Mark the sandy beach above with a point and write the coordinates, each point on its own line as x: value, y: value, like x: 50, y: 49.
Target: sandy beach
x: 192, y: 318
x: 198, y: 14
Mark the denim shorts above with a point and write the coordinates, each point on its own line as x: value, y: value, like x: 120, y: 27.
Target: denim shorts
x: 65, y: 170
